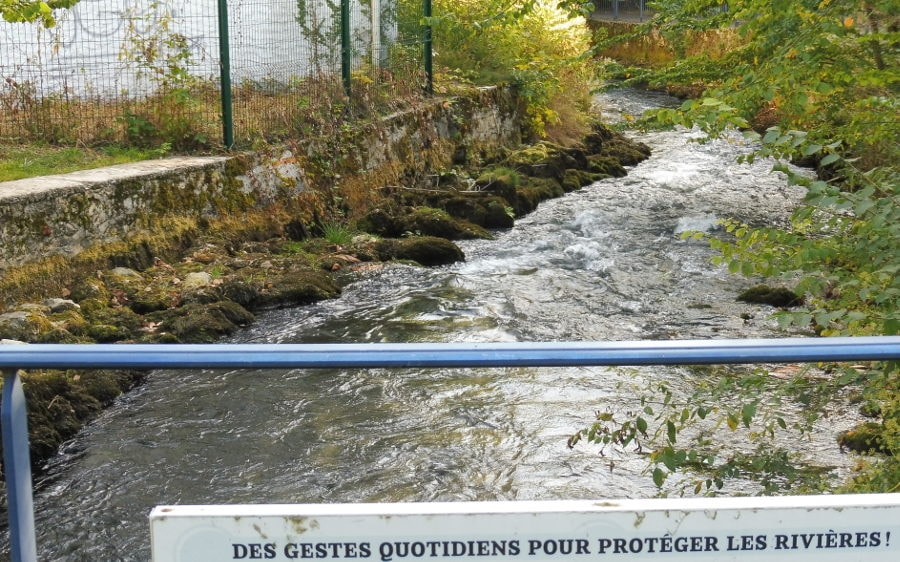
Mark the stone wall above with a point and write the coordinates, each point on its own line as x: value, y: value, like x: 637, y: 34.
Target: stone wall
x: 65, y: 214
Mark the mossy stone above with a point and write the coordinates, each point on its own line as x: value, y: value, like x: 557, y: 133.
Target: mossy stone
x: 60, y: 335
x: 126, y: 322
x: 772, y: 296
x: 865, y: 438
x: 24, y: 325
x: 488, y: 211
x: 607, y: 166
x: 428, y: 221
x: 425, y: 250
x: 60, y: 402
x: 206, y: 323
x: 107, y: 333
x: 299, y: 285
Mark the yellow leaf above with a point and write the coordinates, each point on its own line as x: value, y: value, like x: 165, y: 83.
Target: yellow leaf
x: 732, y: 422
x: 848, y: 22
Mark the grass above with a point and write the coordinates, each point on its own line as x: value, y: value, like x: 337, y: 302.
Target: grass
x: 30, y: 160
x: 337, y: 233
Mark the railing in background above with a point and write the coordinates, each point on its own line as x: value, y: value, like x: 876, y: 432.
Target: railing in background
x: 207, y: 72
x: 631, y: 10
x: 309, y: 356
x: 622, y: 10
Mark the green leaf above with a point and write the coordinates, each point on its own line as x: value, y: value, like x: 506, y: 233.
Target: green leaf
x: 811, y: 149
x: 747, y: 413
x: 641, y: 425
x: 671, y: 432
x: 829, y: 159
x: 659, y: 476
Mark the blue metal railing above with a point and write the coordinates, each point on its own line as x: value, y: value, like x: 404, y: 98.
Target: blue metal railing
x: 318, y: 356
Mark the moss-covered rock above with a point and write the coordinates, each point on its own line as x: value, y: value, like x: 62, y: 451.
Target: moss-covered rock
x: 607, y: 166
x: 25, y: 325
x: 420, y: 221
x: 113, y: 323
x: 204, y: 323
x: 297, y: 284
x: 89, y: 289
x: 533, y: 191
x: 61, y: 335
x: 865, y: 438
x: 626, y: 152
x: 501, y: 181
x: 575, y: 179
x: 428, y: 221
x: 772, y: 296
x: 485, y: 210
x: 59, y: 403
x: 425, y: 250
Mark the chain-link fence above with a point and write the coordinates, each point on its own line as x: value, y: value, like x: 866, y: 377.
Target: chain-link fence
x: 190, y: 74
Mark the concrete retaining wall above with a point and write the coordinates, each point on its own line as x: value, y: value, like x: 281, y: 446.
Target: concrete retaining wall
x: 65, y: 214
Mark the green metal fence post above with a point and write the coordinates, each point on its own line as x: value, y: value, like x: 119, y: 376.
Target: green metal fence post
x: 225, y: 76
x: 345, y: 45
x: 429, y: 70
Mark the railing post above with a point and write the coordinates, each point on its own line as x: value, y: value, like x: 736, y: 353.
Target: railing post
x: 225, y: 76
x: 17, y: 466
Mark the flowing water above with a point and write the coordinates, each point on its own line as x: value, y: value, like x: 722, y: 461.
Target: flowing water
x: 604, y: 263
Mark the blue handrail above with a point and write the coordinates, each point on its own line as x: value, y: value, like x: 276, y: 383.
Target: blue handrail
x: 318, y: 356
x: 517, y: 354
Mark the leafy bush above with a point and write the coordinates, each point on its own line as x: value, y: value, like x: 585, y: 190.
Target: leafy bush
x: 812, y: 81
x: 535, y: 45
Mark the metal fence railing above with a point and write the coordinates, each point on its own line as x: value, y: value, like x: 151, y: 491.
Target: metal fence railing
x: 320, y: 356
x: 623, y: 10
x: 632, y: 10
x: 154, y: 71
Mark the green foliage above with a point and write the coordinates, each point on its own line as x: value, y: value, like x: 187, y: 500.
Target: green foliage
x: 337, y: 233
x: 163, y: 57
x: 822, y: 66
x: 28, y: 10
x: 824, y: 74
x: 842, y: 251
x: 701, y: 430
x: 29, y: 160
x: 533, y: 44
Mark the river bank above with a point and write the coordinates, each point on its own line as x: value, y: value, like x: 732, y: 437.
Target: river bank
x: 197, y: 281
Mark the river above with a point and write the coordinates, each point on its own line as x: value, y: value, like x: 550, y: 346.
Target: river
x: 603, y: 263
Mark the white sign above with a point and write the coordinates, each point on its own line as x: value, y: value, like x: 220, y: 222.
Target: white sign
x: 846, y: 528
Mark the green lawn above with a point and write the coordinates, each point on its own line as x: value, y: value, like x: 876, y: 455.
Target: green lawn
x: 26, y: 161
